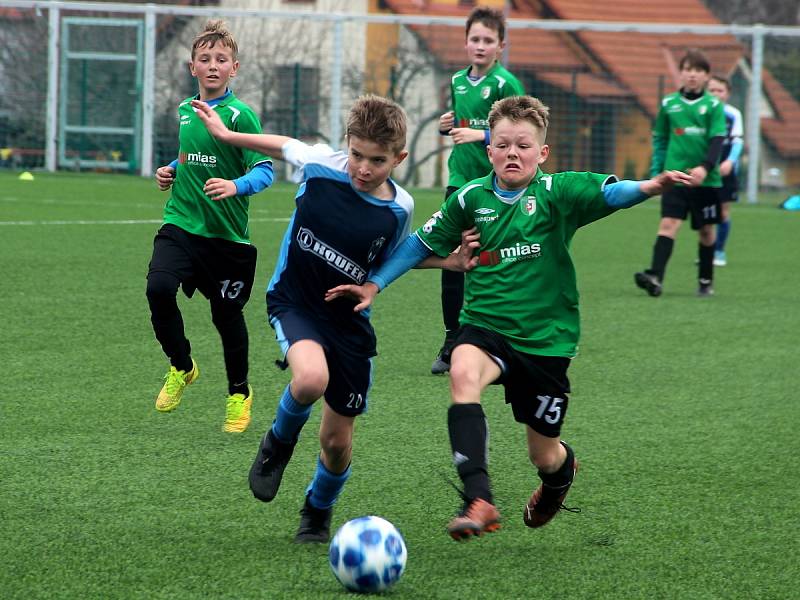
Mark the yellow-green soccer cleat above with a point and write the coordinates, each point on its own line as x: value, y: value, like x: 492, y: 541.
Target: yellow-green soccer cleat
x: 237, y: 412
x: 170, y: 395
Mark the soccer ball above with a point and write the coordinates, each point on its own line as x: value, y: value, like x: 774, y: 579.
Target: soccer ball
x: 367, y: 555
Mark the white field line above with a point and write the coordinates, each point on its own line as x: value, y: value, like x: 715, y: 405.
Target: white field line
x: 126, y: 222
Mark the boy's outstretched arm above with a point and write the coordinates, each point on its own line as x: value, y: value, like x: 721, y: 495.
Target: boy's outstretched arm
x: 411, y: 253
x: 265, y: 143
x: 627, y: 193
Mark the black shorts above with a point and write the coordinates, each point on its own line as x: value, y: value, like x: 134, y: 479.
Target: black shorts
x: 536, y: 386
x: 222, y: 270
x: 349, y: 371
x: 730, y: 188
x: 702, y: 203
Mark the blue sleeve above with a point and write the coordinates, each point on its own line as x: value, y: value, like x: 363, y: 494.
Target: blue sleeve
x: 623, y: 194
x: 487, y: 137
x: 736, y: 150
x: 405, y: 257
x: 258, y: 178
x: 173, y: 164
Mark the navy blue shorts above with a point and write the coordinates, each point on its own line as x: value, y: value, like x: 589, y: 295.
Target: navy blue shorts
x: 349, y: 371
x: 536, y: 386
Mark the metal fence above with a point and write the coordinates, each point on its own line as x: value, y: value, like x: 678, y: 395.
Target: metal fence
x: 95, y: 86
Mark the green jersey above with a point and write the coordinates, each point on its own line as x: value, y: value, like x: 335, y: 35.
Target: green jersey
x: 524, y: 286
x: 472, y: 100
x: 201, y: 157
x: 682, y: 132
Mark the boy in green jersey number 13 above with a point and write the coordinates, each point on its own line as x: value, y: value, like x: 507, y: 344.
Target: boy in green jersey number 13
x: 688, y: 135
x: 204, y: 243
x: 473, y: 90
x: 520, y: 322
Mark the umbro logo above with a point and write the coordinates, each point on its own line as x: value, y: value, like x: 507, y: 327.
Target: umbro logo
x: 484, y: 211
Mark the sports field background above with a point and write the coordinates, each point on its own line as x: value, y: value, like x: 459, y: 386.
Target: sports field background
x: 684, y: 415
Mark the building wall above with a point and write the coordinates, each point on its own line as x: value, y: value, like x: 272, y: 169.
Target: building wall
x: 632, y: 143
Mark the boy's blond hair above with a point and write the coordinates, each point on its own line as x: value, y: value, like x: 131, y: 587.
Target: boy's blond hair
x: 521, y: 108
x: 377, y: 119
x: 213, y: 32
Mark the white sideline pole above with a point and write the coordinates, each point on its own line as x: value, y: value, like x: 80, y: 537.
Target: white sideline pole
x: 148, y: 94
x: 54, y: 12
x: 753, y: 115
x: 335, y: 115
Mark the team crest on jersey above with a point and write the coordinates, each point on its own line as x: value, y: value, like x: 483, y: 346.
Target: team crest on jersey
x: 485, y: 91
x: 702, y: 110
x: 375, y: 248
x: 528, y: 205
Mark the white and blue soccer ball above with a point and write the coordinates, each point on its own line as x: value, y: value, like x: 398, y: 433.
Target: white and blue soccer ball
x: 368, y: 555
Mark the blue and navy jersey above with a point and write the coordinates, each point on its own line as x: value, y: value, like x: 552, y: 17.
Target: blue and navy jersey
x: 337, y: 235
x: 733, y: 129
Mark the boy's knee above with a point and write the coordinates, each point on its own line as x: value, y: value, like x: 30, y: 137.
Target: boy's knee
x: 308, y: 384
x: 463, y: 374
x: 161, y: 286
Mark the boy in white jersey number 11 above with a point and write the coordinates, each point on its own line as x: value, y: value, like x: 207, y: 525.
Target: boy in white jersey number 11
x: 520, y: 322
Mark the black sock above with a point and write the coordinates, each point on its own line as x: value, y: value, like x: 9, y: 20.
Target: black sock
x: 238, y: 388
x: 564, y: 474
x: 183, y: 366
x: 468, y: 439
x: 452, y: 298
x: 662, y: 250
x: 705, y: 269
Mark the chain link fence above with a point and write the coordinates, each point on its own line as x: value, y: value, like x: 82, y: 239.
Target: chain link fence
x: 85, y: 91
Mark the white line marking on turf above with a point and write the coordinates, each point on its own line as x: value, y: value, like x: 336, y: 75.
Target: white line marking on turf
x: 126, y: 222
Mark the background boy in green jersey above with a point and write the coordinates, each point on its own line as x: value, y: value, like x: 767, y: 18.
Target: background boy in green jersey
x: 204, y: 242
x: 520, y: 322
x: 688, y: 135
x: 473, y: 91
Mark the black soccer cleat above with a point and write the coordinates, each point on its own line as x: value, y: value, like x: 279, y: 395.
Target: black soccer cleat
x: 705, y: 289
x: 648, y: 282
x: 267, y: 469
x: 546, y: 501
x: 441, y: 364
x: 315, y: 524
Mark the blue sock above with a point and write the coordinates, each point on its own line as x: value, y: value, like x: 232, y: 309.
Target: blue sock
x: 723, y: 229
x: 290, y: 417
x: 325, y: 488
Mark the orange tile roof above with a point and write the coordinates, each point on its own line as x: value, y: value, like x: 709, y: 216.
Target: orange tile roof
x: 613, y: 65
x: 638, y: 11
x: 15, y: 14
x: 782, y: 132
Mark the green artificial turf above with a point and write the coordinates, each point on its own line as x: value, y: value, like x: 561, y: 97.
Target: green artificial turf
x: 684, y: 416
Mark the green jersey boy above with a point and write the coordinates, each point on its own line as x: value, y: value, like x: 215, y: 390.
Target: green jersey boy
x: 204, y: 243
x: 520, y: 322
x: 688, y: 135
x: 473, y: 90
